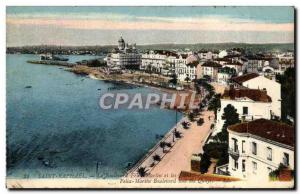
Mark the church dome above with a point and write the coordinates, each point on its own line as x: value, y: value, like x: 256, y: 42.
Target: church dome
x: 121, y: 39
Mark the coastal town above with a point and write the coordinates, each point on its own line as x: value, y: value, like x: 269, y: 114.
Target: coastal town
x: 243, y: 128
x: 238, y: 132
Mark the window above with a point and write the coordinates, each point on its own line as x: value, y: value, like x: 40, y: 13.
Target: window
x: 235, y: 145
x: 236, y: 164
x: 245, y: 110
x: 243, y: 146
x: 243, y: 165
x: 269, y: 153
x: 254, y: 167
x: 254, y: 148
x: 286, y: 159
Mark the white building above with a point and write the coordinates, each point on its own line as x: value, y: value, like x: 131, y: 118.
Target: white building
x: 186, y: 66
x: 224, y: 75
x: 286, y: 57
x: 258, y: 147
x: 164, y: 62
x: 255, y: 81
x: 250, y: 104
x: 255, y: 63
x: 125, y: 56
x: 210, y: 68
x: 207, y: 55
x: 238, y: 66
x: 158, y: 60
x: 222, y: 54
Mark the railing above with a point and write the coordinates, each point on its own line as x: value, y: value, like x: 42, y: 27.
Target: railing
x: 234, y: 152
x: 247, y: 117
x: 222, y: 170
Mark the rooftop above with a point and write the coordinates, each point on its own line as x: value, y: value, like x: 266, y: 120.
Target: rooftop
x: 197, y: 176
x: 234, y: 63
x: 192, y: 59
x: 253, y: 94
x: 245, y: 77
x: 272, y: 130
x: 211, y: 64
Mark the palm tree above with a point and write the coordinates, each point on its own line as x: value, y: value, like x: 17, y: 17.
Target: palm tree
x: 142, y: 171
x: 185, y: 125
x: 173, y: 79
x: 156, y: 158
x: 168, y: 144
x: 191, y: 116
x: 187, y: 79
x: 200, y: 121
x: 163, y: 145
x: 177, y: 134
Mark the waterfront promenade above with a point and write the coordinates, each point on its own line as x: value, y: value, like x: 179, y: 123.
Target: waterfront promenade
x: 178, y: 157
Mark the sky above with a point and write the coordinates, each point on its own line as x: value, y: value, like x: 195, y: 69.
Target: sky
x: 148, y: 25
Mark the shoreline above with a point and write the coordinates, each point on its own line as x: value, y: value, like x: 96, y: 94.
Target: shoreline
x: 139, y: 163
x: 98, y: 74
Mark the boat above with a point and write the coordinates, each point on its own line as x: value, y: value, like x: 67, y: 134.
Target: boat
x: 52, y: 57
x: 59, y: 58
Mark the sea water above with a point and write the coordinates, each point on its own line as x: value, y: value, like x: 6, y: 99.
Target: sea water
x: 56, y: 129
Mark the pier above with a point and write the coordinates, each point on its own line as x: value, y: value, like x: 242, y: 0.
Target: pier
x: 50, y: 62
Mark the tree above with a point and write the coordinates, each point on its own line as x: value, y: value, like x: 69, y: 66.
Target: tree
x: 96, y: 63
x: 214, y: 150
x: 173, y: 79
x: 168, y: 144
x: 187, y: 79
x: 204, y: 163
x: 177, y: 134
x: 191, y: 116
x: 142, y: 171
x: 287, y: 81
x: 156, y: 158
x: 185, y: 125
x: 215, y: 104
x: 231, y: 117
x: 200, y: 121
x: 163, y: 145
x: 207, y: 78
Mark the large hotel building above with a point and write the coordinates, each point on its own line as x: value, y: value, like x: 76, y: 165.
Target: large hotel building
x: 125, y: 56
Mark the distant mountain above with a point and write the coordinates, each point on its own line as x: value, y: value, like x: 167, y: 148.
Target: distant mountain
x: 281, y: 47
x: 222, y: 46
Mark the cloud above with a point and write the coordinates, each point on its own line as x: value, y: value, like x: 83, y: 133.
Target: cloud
x: 123, y: 22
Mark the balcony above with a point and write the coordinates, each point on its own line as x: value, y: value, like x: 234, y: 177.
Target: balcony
x: 234, y: 153
x: 246, y: 118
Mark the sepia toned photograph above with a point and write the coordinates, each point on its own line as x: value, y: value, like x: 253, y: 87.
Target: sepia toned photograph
x: 150, y: 97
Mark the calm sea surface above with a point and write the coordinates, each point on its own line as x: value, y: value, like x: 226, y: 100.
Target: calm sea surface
x: 56, y: 128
